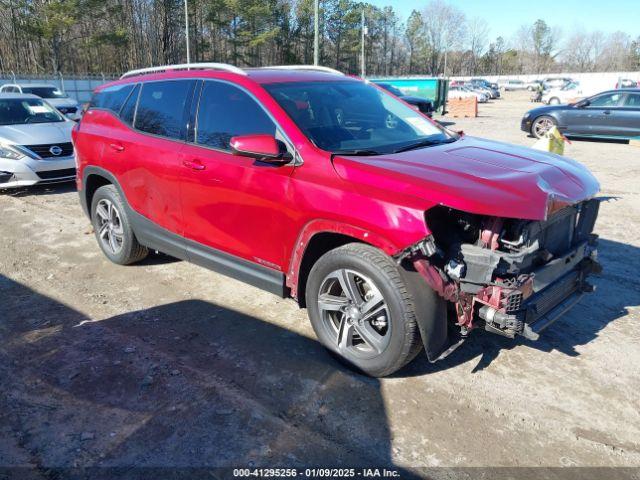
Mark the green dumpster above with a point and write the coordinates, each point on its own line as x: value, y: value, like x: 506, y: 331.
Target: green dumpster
x: 434, y: 89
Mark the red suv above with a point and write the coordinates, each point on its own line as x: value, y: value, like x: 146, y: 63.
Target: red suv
x: 394, y: 232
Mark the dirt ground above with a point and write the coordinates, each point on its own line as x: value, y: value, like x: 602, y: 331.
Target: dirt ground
x: 165, y: 364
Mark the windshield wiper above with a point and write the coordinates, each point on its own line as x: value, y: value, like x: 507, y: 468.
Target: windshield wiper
x: 423, y: 143
x: 362, y: 153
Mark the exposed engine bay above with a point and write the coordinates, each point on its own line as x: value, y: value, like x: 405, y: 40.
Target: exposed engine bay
x: 510, y: 276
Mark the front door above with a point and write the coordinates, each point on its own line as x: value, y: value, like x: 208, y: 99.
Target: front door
x: 601, y: 117
x: 232, y: 203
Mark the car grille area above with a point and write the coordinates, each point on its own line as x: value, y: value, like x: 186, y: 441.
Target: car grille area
x: 55, y: 174
x: 49, y: 150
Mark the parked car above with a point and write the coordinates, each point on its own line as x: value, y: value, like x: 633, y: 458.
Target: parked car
x: 611, y: 114
x: 465, y: 92
x: 35, y: 142
x: 513, y: 85
x: 486, y: 83
x: 394, y: 232
x: 488, y: 92
x: 626, y: 83
x: 551, y: 83
x: 423, y: 105
x: 52, y: 94
x: 569, y: 93
x: 493, y: 91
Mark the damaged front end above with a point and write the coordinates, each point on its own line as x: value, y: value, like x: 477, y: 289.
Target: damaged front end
x: 508, y: 276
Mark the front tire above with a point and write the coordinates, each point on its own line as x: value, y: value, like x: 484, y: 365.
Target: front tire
x: 542, y: 125
x: 113, y: 228
x: 360, y: 309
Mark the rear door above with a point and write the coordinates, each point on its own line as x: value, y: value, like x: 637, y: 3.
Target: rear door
x: 233, y: 203
x: 630, y: 115
x: 149, y: 153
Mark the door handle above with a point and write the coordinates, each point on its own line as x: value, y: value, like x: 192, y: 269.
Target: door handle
x: 117, y: 147
x: 194, y: 164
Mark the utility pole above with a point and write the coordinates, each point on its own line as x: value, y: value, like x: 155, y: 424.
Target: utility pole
x: 186, y: 29
x: 362, y: 60
x: 316, y: 32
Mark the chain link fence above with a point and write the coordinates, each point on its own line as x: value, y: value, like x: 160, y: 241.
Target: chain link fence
x: 79, y: 87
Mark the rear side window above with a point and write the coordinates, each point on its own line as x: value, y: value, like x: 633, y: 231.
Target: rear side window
x: 226, y: 111
x: 633, y: 100
x: 162, y: 108
x: 129, y: 108
x: 112, y: 98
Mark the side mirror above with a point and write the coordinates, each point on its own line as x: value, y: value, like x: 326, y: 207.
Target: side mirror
x: 265, y: 148
x: 583, y: 103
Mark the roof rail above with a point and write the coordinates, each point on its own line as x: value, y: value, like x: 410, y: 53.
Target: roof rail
x: 318, y: 68
x: 185, y: 66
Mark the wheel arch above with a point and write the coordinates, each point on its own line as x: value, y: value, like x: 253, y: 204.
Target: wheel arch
x: 91, y: 184
x: 317, y: 238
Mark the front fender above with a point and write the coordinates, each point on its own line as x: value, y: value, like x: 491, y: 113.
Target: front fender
x: 316, y: 227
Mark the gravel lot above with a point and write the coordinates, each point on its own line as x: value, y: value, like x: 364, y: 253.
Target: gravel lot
x: 167, y: 364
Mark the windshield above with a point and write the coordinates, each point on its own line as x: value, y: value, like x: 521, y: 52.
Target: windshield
x: 354, y: 117
x: 44, y: 92
x: 18, y: 111
x: 570, y: 86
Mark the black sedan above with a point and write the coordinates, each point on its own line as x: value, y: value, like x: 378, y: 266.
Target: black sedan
x: 424, y: 105
x: 614, y: 114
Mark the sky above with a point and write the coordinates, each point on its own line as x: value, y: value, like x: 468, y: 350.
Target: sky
x: 506, y: 16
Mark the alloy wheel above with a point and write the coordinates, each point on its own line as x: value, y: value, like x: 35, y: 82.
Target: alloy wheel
x: 354, y: 313
x: 542, y: 126
x: 110, y: 229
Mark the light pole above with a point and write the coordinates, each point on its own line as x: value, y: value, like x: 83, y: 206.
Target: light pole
x: 316, y: 32
x: 362, y: 61
x: 186, y: 29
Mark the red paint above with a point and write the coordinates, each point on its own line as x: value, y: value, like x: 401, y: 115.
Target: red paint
x: 258, y: 145
x: 267, y: 214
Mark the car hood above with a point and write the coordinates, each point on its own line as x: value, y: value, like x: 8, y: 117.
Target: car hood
x: 36, y: 133
x: 476, y: 176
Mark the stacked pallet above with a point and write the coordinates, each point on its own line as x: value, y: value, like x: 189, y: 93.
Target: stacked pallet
x: 462, y: 107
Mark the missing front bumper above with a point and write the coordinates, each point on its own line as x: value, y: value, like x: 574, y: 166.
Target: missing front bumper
x: 544, y: 307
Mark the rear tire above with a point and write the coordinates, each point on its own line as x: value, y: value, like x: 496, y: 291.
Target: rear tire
x: 554, y: 101
x: 361, y: 309
x: 113, y: 228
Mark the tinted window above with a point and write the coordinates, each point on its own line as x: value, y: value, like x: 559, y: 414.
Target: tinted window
x: 606, y: 100
x: 161, y: 109
x: 44, y: 92
x: 633, y: 100
x: 112, y: 98
x: 129, y: 108
x: 226, y: 111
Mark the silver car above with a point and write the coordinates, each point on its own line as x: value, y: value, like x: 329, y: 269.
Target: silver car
x: 52, y: 94
x: 35, y: 142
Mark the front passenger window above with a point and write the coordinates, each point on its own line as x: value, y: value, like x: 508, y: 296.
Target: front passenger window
x: 607, y: 100
x: 226, y: 111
